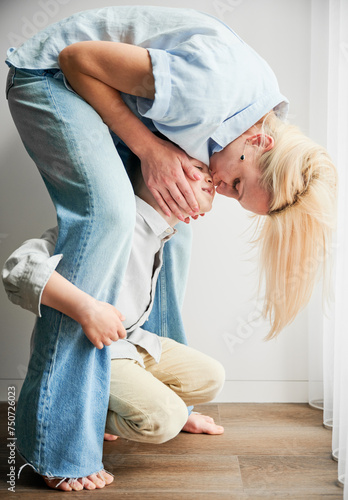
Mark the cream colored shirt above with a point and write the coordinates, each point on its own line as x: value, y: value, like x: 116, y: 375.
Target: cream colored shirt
x: 28, y: 269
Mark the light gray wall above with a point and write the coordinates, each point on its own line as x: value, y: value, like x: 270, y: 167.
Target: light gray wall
x: 220, y: 310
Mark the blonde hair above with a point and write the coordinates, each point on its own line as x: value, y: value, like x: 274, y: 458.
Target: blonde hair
x: 295, y: 237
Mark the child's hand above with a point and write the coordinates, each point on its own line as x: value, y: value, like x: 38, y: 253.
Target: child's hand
x: 102, y: 324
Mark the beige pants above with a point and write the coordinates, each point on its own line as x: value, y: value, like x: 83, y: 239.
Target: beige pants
x: 150, y: 404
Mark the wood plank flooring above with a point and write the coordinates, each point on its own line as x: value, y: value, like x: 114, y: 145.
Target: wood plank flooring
x: 268, y: 451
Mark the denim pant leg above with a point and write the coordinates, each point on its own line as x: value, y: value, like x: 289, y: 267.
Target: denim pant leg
x: 165, y: 318
x: 63, y: 403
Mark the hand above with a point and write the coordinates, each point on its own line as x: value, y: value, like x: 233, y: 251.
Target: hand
x: 165, y: 174
x: 102, y: 323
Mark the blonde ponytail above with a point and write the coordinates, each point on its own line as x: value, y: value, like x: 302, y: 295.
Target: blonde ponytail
x: 295, y: 238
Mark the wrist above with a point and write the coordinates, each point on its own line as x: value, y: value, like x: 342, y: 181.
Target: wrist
x: 145, y: 144
x: 83, y: 308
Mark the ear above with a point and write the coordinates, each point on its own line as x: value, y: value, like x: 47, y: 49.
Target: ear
x: 262, y: 141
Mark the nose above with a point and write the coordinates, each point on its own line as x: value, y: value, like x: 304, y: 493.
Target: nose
x: 208, y: 178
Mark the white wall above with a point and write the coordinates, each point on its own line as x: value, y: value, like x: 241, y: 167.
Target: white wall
x: 220, y: 307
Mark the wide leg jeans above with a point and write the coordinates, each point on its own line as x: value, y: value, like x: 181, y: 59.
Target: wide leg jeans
x: 63, y: 404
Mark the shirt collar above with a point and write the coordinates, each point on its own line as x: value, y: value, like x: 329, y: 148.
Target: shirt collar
x: 236, y: 125
x: 154, y: 220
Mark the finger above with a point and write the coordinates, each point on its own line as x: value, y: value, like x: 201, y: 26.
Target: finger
x: 177, y: 201
x: 191, y: 206
x: 98, y: 344
x: 162, y: 204
x: 120, y: 315
x: 191, y: 171
x: 171, y: 206
x: 122, y: 332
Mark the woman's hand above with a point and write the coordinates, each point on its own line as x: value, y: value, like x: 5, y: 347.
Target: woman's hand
x: 164, y: 171
x: 102, y: 323
x: 98, y: 71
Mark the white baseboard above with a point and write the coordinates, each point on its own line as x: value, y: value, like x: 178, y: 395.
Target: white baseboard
x: 263, y: 391
x: 240, y: 391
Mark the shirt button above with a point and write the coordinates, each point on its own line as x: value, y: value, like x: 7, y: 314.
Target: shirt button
x: 168, y: 230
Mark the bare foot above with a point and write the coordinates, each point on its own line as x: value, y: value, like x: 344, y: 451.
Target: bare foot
x: 95, y: 481
x: 110, y: 437
x: 201, y: 424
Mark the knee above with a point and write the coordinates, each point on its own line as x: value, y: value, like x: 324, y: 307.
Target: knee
x: 160, y: 422
x: 167, y: 422
x: 213, y: 378
x: 117, y: 212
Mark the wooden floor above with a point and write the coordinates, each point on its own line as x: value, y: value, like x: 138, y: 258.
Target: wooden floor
x: 267, y: 451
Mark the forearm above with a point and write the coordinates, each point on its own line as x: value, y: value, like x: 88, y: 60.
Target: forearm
x: 65, y: 297
x: 100, y: 321
x: 99, y: 71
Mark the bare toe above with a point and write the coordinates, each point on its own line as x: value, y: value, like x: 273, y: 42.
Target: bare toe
x: 110, y: 437
x: 52, y: 483
x: 76, y: 485
x: 108, y: 478
x: 99, y: 483
x: 87, y: 484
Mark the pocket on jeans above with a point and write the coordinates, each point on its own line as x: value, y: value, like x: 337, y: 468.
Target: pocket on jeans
x: 10, y: 80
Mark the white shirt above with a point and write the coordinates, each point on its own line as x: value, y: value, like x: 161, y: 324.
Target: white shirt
x: 28, y: 269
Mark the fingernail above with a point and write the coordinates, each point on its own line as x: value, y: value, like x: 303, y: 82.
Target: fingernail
x: 181, y: 217
x: 197, y: 177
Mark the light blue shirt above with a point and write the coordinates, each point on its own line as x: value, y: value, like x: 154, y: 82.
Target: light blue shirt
x: 210, y: 86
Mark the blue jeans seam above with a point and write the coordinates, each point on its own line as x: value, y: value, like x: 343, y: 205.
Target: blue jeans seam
x: 45, y: 402
x: 163, y: 299
x: 78, y: 258
x: 72, y: 277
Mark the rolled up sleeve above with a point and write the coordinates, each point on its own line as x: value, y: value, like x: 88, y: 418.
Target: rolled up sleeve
x: 27, y: 270
x: 157, y: 108
x: 210, y: 86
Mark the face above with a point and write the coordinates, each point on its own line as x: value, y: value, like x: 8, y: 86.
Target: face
x: 203, y: 189
x: 240, y: 179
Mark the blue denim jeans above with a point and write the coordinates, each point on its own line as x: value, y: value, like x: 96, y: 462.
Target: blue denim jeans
x: 63, y: 404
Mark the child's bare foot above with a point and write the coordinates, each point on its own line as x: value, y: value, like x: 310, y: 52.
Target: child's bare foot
x: 95, y: 481
x: 201, y: 424
x: 110, y: 437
